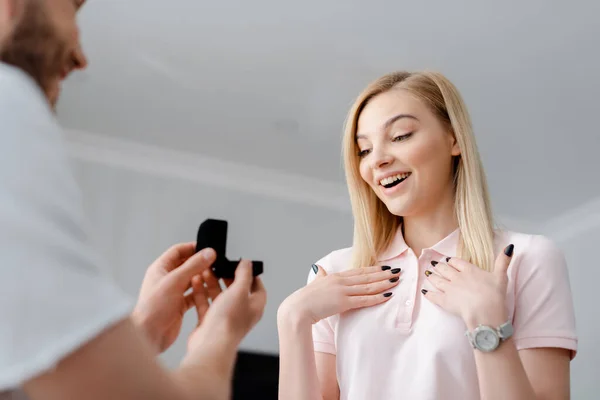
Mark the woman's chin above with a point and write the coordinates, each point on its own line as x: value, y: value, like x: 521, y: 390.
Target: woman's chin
x: 398, y: 207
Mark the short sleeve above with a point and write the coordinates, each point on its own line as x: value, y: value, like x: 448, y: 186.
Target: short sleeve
x: 544, y: 314
x: 53, y: 297
x: 323, y: 331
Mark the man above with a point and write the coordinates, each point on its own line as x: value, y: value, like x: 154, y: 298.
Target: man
x: 65, y: 332
x: 45, y: 43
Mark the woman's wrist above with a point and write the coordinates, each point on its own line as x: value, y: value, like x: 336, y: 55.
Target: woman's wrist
x: 492, y: 314
x: 292, y: 317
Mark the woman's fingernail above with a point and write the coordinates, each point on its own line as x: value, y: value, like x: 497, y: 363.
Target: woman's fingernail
x: 434, y: 263
x: 388, y: 294
x: 315, y: 268
x: 423, y: 291
x: 395, y: 270
x: 448, y: 259
x: 396, y: 279
x: 427, y: 273
x: 385, y: 268
x: 509, y: 250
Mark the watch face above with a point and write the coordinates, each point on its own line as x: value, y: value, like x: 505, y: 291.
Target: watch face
x: 486, y: 339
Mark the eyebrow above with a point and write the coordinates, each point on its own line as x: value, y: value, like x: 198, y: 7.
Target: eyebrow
x: 390, y: 121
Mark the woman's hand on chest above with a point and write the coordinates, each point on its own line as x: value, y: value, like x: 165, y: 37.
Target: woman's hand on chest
x: 476, y: 295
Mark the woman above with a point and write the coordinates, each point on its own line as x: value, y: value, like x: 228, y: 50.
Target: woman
x: 422, y: 213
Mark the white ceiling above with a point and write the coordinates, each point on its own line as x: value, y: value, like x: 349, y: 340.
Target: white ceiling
x: 268, y: 83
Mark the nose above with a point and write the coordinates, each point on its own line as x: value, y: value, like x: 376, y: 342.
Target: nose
x: 381, y: 158
x: 79, y: 59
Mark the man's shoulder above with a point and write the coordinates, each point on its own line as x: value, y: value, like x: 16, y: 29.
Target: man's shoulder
x: 30, y: 129
x: 22, y: 102
x: 16, y: 82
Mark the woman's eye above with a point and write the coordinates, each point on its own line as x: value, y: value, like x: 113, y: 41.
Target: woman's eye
x: 363, y: 153
x: 402, y: 137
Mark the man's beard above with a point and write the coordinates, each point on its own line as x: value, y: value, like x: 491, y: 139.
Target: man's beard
x: 36, y: 47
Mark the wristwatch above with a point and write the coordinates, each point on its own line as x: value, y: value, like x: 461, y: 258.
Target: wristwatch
x: 487, y: 339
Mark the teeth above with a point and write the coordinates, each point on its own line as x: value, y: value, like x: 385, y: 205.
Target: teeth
x: 391, y: 179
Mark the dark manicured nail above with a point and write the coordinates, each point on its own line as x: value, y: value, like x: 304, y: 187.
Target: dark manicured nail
x: 385, y: 268
x: 315, y: 268
x: 423, y: 291
x: 427, y: 273
x: 388, y: 294
x: 434, y: 263
x: 509, y: 250
x: 448, y: 259
x: 396, y: 279
x: 395, y: 271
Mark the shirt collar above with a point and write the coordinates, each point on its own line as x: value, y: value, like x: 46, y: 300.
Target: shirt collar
x: 448, y: 246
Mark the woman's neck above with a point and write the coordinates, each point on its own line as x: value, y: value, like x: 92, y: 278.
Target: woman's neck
x: 425, y: 230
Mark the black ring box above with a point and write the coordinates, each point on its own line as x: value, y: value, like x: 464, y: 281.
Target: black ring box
x: 213, y: 233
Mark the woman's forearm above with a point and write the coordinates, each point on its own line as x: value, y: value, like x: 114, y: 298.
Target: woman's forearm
x: 298, y: 379
x: 501, y: 373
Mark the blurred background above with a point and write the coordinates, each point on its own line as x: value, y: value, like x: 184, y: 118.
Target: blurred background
x: 234, y: 110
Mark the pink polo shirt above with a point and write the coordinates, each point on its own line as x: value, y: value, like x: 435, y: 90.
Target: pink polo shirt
x: 408, y: 348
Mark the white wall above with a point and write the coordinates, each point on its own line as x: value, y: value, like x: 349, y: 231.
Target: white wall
x: 584, y: 268
x: 578, y: 235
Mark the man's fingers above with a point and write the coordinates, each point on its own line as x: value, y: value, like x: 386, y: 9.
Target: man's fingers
x: 243, y: 276
x: 174, y: 256
x: 197, y: 298
x: 258, y: 286
x: 503, y: 260
x: 258, y: 296
x: 212, y: 284
x: 181, y: 277
x: 200, y: 297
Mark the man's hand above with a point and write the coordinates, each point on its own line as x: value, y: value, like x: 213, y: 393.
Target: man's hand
x: 233, y: 312
x: 213, y: 345
x: 162, y: 302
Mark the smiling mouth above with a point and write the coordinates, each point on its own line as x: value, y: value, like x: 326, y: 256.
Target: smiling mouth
x: 395, y: 180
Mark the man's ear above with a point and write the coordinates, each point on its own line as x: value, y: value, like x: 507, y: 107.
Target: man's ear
x: 8, y: 12
x: 11, y: 8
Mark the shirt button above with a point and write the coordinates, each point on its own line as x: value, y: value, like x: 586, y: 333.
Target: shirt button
x: 408, y: 302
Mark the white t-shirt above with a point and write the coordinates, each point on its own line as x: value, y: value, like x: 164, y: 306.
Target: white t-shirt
x: 53, y: 298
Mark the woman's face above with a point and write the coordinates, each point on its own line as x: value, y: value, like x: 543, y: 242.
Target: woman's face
x: 405, y: 153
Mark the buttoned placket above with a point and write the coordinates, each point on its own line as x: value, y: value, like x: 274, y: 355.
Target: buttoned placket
x: 413, y: 280
x: 408, y: 293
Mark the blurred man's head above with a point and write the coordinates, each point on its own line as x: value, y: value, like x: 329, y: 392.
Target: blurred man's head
x: 44, y: 41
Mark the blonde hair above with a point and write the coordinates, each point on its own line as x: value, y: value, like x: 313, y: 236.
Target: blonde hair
x: 374, y: 225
